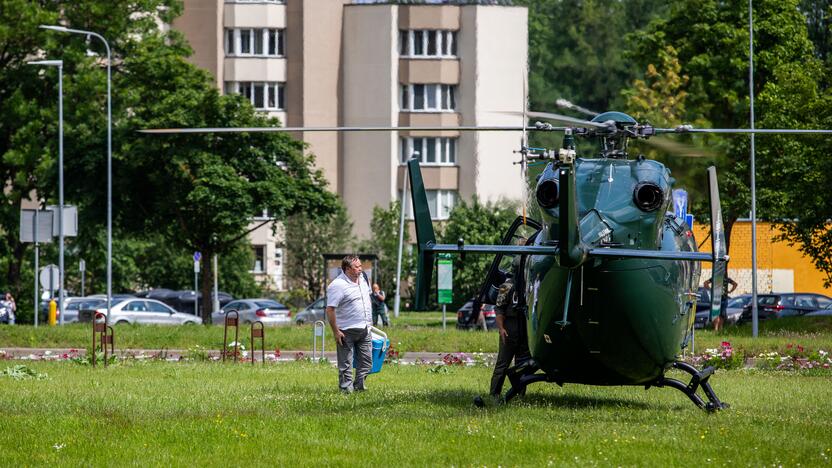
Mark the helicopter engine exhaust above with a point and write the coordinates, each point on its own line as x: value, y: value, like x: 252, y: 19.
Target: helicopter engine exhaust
x: 547, y: 194
x: 648, y: 196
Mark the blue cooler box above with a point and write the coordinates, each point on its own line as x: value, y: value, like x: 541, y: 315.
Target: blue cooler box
x: 380, y: 346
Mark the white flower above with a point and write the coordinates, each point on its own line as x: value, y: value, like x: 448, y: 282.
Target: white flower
x: 58, y: 446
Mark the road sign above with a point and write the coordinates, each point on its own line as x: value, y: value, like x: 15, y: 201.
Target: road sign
x: 70, y: 220
x: 197, y: 256
x: 43, y: 233
x: 82, y: 265
x: 445, y: 278
x: 49, y: 277
x: 680, y: 203
x: 196, y: 266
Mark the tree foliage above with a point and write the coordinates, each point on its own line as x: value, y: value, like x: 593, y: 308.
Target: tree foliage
x: 308, y: 238
x: 711, y: 39
x: 476, y: 223
x: 384, y: 242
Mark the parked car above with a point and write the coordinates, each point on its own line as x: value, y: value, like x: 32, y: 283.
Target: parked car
x: 268, y: 311
x: 72, y: 305
x: 778, y: 305
x: 312, y: 313
x: 703, y: 308
x: 139, y: 310
x: 466, y: 321
x: 825, y: 311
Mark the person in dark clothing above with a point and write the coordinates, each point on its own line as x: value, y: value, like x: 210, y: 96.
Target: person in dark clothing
x: 379, y: 307
x: 728, y: 286
x: 513, y: 340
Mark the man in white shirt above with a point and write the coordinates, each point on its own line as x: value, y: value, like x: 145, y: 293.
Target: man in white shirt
x: 349, y: 311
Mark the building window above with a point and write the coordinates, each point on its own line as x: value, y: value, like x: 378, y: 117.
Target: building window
x: 440, y: 203
x: 259, y: 42
x: 259, y: 258
x: 432, y: 150
x: 263, y: 95
x: 428, y: 97
x: 427, y: 43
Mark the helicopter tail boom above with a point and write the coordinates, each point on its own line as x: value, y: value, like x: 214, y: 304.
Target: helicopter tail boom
x: 425, y: 237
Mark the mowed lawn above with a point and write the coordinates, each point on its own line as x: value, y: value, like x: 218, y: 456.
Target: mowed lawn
x: 290, y: 414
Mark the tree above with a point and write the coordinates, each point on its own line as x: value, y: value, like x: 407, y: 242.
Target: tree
x: 384, y: 241
x: 711, y: 38
x: 308, y: 238
x: 28, y: 107
x: 476, y: 223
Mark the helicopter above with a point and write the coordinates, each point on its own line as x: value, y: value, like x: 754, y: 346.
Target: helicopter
x: 607, y: 281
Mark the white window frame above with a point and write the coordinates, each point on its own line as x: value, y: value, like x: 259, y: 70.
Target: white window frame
x: 263, y: 262
x: 233, y: 42
x: 443, y: 97
x: 445, y: 41
x: 275, y: 90
x: 445, y: 150
x: 440, y: 203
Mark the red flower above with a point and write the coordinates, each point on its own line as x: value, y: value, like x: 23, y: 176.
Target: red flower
x: 799, y: 349
x: 789, y: 346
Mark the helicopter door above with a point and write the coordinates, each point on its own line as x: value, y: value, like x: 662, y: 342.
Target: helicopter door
x: 497, y: 275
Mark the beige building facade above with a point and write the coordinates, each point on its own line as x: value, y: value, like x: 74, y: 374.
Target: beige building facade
x: 324, y: 63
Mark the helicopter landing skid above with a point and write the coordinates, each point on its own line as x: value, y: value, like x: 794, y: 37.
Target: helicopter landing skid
x: 522, y: 376
x: 698, y: 379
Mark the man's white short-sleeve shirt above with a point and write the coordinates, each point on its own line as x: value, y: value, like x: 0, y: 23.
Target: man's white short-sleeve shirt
x: 351, y: 301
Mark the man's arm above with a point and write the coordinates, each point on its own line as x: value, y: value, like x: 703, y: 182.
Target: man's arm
x: 338, y: 334
x: 732, y: 284
x: 501, y: 326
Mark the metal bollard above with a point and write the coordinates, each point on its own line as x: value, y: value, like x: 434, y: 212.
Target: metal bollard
x: 231, y: 322
x: 258, y: 332
x: 101, y: 329
x: 318, y: 329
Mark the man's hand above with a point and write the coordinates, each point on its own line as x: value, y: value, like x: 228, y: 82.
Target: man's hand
x: 503, y: 334
x: 339, y: 336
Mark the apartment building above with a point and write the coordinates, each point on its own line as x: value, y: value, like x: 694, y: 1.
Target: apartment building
x: 319, y: 63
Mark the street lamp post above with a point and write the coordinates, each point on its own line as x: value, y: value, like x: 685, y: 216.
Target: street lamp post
x: 60, y: 65
x: 109, y: 159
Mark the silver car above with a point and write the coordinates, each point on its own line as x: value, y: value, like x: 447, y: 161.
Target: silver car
x: 252, y: 310
x: 312, y: 313
x: 139, y: 310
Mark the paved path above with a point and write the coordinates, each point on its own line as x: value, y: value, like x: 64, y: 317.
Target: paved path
x: 176, y: 354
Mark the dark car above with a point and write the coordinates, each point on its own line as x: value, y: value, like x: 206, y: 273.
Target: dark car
x: 779, y: 305
x: 466, y: 321
x: 826, y: 311
x: 703, y: 308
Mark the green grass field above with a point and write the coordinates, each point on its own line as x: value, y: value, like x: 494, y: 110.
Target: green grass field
x: 412, y: 331
x: 291, y: 414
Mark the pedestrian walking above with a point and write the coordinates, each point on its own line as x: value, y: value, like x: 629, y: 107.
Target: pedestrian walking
x: 379, y: 307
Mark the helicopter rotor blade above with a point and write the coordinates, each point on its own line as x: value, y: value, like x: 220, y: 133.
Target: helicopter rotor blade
x: 758, y: 131
x: 566, y: 104
x: 342, y: 129
x: 676, y: 148
x: 566, y: 119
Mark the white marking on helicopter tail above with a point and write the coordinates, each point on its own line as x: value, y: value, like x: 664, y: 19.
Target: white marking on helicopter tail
x: 547, y: 339
x: 594, y: 352
x: 591, y: 289
x: 610, y: 179
x: 592, y: 322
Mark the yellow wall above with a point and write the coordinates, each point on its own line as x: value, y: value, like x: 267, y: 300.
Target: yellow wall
x: 780, y: 267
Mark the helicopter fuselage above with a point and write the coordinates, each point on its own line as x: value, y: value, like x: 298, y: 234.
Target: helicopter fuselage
x: 610, y: 321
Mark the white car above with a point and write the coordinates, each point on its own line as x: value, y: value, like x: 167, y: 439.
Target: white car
x: 139, y: 310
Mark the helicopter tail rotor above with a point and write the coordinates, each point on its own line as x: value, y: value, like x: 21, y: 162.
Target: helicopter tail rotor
x: 720, y: 256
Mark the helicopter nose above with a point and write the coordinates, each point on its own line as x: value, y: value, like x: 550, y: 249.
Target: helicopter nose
x: 547, y: 193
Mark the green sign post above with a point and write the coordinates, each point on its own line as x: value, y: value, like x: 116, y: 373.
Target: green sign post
x: 445, y: 282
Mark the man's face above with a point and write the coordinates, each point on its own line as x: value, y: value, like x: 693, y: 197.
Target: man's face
x: 354, y: 270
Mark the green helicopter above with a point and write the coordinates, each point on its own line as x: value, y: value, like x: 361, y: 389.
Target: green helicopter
x: 608, y: 279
